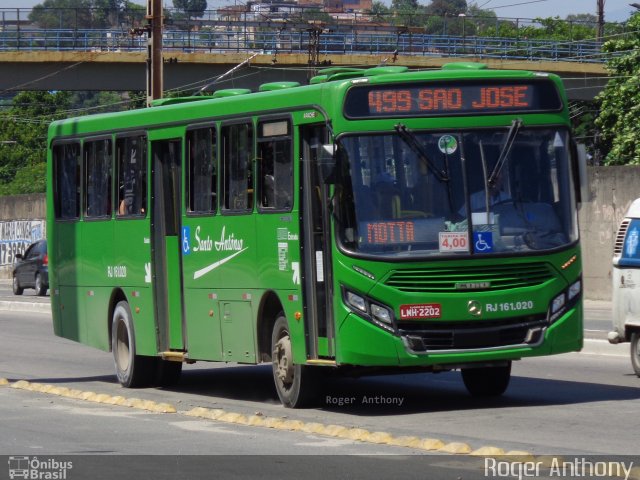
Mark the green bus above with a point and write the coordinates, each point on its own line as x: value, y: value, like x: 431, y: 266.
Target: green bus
x: 374, y: 220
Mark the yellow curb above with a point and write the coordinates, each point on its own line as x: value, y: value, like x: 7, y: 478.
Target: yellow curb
x: 379, y: 437
x: 292, y: 425
x: 255, y: 421
x: 456, y: 447
x: 230, y: 417
x: 47, y: 388
x: 102, y: 398
x: 35, y: 387
x: 4, y: 381
x: 23, y: 384
x: 488, y: 451
x: 359, y: 434
x: 73, y: 393
x: 117, y: 400
x: 404, y: 441
x: 87, y: 395
x: 430, y: 444
x: 334, y: 430
x: 164, y: 408
x: 313, y: 428
x: 133, y: 402
x: 196, y: 412
x: 214, y: 414
x: 273, y: 422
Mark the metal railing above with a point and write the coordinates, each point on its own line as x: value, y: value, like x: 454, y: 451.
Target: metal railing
x: 239, y: 39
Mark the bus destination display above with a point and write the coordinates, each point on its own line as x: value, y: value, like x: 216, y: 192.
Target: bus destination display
x: 451, y: 99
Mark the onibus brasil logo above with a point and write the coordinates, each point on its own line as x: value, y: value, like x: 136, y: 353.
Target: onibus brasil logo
x: 34, y: 468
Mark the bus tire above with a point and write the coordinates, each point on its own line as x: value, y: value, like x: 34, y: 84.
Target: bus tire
x: 168, y: 373
x: 132, y: 370
x: 635, y: 352
x: 294, y: 383
x: 487, y: 381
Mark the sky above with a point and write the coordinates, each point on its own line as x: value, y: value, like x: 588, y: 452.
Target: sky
x: 614, y: 10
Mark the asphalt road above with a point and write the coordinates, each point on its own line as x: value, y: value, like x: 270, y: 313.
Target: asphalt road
x: 572, y: 404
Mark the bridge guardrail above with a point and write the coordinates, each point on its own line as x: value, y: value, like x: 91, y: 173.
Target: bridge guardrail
x: 237, y: 39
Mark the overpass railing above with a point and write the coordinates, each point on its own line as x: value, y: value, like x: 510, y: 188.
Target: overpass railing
x: 272, y: 41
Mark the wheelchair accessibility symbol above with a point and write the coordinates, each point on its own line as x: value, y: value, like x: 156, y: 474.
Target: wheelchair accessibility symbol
x: 186, y: 240
x: 482, y: 242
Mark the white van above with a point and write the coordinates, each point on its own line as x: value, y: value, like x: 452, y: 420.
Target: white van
x: 626, y: 284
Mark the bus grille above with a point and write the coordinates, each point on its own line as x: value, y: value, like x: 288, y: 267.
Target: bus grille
x: 622, y: 232
x: 429, y: 336
x: 485, y: 277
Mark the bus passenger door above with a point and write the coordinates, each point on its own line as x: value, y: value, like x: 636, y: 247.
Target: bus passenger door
x: 166, y: 262
x: 316, y: 262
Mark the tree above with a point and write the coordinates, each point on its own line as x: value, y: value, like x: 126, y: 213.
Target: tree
x: 23, y: 140
x: 447, y: 7
x: 619, y: 118
x: 76, y: 14
x: 379, y: 11
x: 191, y: 8
x: 62, y: 14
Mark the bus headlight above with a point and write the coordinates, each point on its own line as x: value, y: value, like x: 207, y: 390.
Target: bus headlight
x: 380, y: 313
x: 369, y: 309
x: 574, y: 290
x: 565, y: 300
x: 558, y: 303
x: 356, y: 301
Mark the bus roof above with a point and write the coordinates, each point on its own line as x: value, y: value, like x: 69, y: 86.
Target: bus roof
x: 326, y: 89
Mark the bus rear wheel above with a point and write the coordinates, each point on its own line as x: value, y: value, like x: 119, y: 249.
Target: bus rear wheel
x: 294, y: 383
x: 132, y: 370
x: 635, y: 352
x: 487, y: 381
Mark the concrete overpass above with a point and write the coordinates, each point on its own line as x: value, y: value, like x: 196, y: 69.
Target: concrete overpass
x: 104, y: 70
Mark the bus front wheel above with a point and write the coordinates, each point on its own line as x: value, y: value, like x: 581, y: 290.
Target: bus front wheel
x: 487, y: 381
x: 635, y: 352
x: 294, y: 382
x: 132, y: 370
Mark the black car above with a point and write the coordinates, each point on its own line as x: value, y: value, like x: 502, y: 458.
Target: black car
x: 32, y: 269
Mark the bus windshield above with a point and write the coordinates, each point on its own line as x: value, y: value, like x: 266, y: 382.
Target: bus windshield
x: 468, y: 192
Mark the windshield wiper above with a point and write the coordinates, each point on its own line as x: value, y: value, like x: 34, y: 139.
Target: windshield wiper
x: 410, y: 139
x: 511, y: 136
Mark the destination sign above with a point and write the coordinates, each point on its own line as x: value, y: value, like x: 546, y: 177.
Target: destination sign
x: 451, y: 99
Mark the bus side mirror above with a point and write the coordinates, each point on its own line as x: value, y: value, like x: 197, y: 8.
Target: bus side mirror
x: 327, y: 162
x: 583, y: 181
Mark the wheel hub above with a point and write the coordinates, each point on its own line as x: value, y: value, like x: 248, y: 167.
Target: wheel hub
x: 283, y: 360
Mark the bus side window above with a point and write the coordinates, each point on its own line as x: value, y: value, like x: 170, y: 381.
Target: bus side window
x: 237, y: 178
x: 275, y: 166
x: 132, y: 176
x: 97, y: 182
x: 202, y: 172
x: 66, y: 158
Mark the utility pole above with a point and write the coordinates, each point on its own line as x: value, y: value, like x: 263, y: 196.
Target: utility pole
x: 153, y: 29
x: 154, y: 51
x: 600, y: 34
